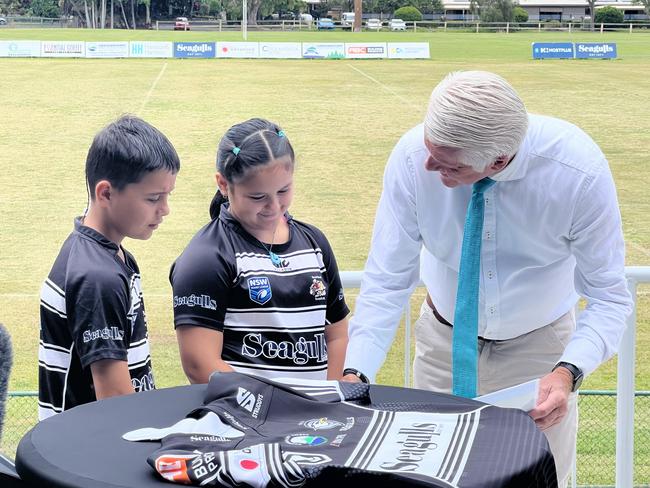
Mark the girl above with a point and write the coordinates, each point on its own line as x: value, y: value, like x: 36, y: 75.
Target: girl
x: 256, y: 290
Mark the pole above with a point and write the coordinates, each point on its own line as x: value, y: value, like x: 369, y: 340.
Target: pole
x: 244, y: 19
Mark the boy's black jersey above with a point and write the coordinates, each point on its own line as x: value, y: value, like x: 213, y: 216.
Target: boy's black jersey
x: 91, y: 309
x: 273, y: 317
x: 254, y: 432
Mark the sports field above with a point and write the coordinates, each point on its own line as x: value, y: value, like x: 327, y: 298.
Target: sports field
x: 342, y: 116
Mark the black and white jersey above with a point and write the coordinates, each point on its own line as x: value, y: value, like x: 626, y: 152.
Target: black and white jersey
x: 273, y: 318
x: 91, y: 309
x: 254, y: 432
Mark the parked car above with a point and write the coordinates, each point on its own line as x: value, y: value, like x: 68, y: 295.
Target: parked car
x: 325, y: 24
x: 347, y: 20
x: 182, y: 24
x: 3, y: 21
x: 397, y: 24
x: 373, y: 24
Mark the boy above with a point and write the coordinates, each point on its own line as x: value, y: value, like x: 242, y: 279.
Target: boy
x: 94, y: 341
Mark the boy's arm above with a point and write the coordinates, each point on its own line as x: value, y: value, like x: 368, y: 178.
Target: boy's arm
x: 200, y: 350
x: 336, y: 337
x: 111, y: 378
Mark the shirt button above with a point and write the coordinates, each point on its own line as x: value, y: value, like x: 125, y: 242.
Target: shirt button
x: 490, y: 274
x: 488, y: 234
x: 492, y: 310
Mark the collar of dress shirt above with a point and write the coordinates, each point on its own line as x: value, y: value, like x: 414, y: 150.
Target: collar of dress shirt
x: 518, y: 167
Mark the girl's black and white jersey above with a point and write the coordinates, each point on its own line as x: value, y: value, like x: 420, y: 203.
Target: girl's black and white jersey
x: 254, y: 432
x: 91, y: 309
x: 273, y: 317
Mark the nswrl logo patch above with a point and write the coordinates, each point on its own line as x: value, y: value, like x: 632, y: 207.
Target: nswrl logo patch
x: 259, y: 289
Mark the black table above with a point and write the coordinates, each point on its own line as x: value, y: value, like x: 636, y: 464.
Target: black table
x: 83, y: 447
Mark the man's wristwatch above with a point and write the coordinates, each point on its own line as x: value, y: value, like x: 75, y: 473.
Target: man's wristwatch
x: 357, y: 373
x: 575, y: 372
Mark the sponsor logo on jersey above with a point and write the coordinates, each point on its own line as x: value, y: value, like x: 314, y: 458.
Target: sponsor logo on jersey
x: 249, y: 464
x: 341, y: 296
x: 105, y: 334
x: 299, y: 352
x: 317, y: 289
x: 259, y: 289
x: 337, y: 440
x: 203, y: 301
x: 249, y: 402
x: 306, y: 459
x: 324, y: 423
x: 416, y: 440
x: 305, y: 440
x: 144, y: 383
x: 209, y: 438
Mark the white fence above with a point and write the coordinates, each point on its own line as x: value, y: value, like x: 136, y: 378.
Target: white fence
x: 625, y: 375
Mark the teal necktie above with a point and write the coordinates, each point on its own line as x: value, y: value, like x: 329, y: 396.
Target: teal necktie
x: 465, y: 333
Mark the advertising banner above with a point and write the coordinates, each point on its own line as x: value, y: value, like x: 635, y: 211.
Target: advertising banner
x: 408, y: 50
x: 150, y: 49
x: 323, y: 50
x: 554, y: 50
x: 280, y: 50
x: 605, y: 50
x: 238, y: 50
x: 20, y: 49
x: 195, y: 50
x: 117, y: 49
x: 63, y: 49
x: 365, y: 50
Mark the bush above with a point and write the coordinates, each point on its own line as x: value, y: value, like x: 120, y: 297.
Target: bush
x: 520, y: 14
x: 408, y: 14
x: 609, y: 15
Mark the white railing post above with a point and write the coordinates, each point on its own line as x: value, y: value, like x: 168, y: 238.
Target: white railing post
x: 625, y: 395
x: 407, y: 345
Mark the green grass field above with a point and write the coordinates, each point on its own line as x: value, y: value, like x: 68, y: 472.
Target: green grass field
x: 343, y: 117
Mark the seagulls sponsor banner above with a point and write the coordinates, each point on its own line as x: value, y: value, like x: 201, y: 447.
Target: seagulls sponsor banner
x: 20, y: 49
x: 323, y: 50
x: 63, y: 49
x: 365, y: 50
x: 238, y: 50
x: 117, y: 49
x: 408, y: 50
x: 150, y: 49
x: 280, y: 50
x: 585, y: 50
x: 194, y: 49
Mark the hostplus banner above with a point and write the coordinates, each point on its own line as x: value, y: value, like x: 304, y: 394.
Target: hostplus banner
x: 195, y: 49
x: 556, y: 50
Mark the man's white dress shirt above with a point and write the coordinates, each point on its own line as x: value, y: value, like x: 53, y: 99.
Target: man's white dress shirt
x: 551, y: 233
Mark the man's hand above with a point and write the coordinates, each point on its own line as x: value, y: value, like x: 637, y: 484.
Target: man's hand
x: 552, y: 405
x: 352, y: 378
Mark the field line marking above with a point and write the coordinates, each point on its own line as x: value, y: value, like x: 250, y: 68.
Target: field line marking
x: 385, y: 87
x: 153, y: 87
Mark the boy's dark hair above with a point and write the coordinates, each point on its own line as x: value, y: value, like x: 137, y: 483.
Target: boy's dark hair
x: 246, y: 146
x: 126, y: 150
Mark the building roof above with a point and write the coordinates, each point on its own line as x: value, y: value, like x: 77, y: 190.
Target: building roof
x: 464, y: 4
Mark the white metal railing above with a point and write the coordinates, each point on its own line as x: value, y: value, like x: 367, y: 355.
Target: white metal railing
x: 625, y: 373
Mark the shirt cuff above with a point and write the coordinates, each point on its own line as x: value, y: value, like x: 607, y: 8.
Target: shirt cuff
x: 366, y: 357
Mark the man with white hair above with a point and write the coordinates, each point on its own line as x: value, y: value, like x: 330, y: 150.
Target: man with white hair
x: 547, y: 229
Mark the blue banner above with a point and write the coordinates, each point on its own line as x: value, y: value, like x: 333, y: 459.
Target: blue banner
x: 194, y: 50
x: 561, y: 50
x: 605, y: 50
